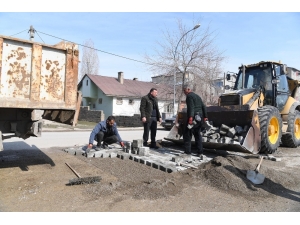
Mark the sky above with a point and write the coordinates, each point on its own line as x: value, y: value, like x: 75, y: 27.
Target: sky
x: 249, y: 33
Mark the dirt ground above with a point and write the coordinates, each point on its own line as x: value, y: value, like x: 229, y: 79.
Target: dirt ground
x: 37, y: 181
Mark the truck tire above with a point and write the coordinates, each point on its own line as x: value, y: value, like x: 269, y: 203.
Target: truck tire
x: 270, y: 128
x: 292, y: 138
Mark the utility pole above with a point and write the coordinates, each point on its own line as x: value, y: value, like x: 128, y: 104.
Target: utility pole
x: 31, y: 33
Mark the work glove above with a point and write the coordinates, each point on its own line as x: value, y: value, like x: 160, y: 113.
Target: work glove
x: 190, y: 121
x: 122, y: 144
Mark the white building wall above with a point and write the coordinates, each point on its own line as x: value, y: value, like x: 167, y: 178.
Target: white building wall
x: 126, y: 109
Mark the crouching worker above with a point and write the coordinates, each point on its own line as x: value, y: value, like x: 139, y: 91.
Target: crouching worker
x: 106, y: 132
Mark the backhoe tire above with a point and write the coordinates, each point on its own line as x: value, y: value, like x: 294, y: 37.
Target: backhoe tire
x: 292, y: 138
x: 270, y: 128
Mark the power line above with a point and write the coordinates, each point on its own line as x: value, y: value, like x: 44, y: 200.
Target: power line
x: 40, y: 36
x: 18, y: 33
x: 97, y: 49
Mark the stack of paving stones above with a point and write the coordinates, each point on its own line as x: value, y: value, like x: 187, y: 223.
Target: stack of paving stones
x: 166, y: 161
x: 225, y: 134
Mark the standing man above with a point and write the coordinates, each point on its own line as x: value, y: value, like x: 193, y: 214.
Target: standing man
x: 150, y: 115
x: 195, y: 108
x: 107, y: 132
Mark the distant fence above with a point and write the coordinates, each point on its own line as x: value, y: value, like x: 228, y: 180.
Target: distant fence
x: 98, y: 115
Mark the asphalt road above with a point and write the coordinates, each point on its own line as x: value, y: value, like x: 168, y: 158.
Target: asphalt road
x: 69, y: 138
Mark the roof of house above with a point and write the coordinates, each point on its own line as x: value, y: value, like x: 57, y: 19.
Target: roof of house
x: 130, y: 88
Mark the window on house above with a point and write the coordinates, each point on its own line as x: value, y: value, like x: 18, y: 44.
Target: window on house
x: 94, y: 106
x: 87, y: 82
x: 131, y: 102
x: 119, y: 101
x: 100, y: 100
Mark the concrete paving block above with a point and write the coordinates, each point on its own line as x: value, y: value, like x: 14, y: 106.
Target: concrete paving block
x: 136, y: 159
x: 98, y: 154
x: 238, y: 129
x: 231, y: 132
x: 66, y: 150
x: 224, y: 129
x: 135, y: 152
x: 137, y: 143
x: 131, y: 157
x: 128, y: 145
x: 79, y: 152
x: 176, y: 159
x: 71, y: 151
x: 143, y: 151
x: 227, y: 140
x: 171, y: 169
x: 241, y: 139
x: 155, y: 165
x: 125, y: 156
x: 149, y: 163
x: 142, y: 161
x: 215, y: 136
x: 236, y: 143
x: 112, y: 155
x: 162, y: 168
x: 105, y: 155
x: 213, y: 140
x: 90, y: 154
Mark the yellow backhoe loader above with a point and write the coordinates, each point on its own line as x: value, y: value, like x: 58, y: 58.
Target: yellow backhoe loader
x: 258, y: 115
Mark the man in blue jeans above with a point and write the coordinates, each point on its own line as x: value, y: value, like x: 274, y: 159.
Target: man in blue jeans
x: 107, y: 132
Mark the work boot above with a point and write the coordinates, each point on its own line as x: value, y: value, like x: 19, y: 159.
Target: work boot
x: 145, y: 144
x: 154, y: 146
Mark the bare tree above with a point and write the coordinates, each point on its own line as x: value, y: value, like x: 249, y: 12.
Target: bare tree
x: 190, y: 53
x: 90, y: 60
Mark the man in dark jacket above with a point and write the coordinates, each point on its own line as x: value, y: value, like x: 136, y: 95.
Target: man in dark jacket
x: 150, y: 115
x: 195, y: 109
x: 105, y: 131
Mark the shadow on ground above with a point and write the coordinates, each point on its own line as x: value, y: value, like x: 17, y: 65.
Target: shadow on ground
x: 24, y: 156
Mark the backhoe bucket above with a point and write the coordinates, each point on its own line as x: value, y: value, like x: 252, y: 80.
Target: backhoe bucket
x: 243, y: 134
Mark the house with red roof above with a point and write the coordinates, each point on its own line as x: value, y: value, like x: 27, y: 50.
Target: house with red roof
x: 121, y: 97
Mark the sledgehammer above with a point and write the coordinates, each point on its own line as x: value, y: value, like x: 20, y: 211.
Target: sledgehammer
x: 82, y: 180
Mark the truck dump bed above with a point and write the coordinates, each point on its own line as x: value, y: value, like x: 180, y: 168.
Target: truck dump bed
x: 37, y: 81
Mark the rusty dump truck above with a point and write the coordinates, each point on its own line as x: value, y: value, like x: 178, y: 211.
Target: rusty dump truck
x: 260, y: 113
x: 37, y: 81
